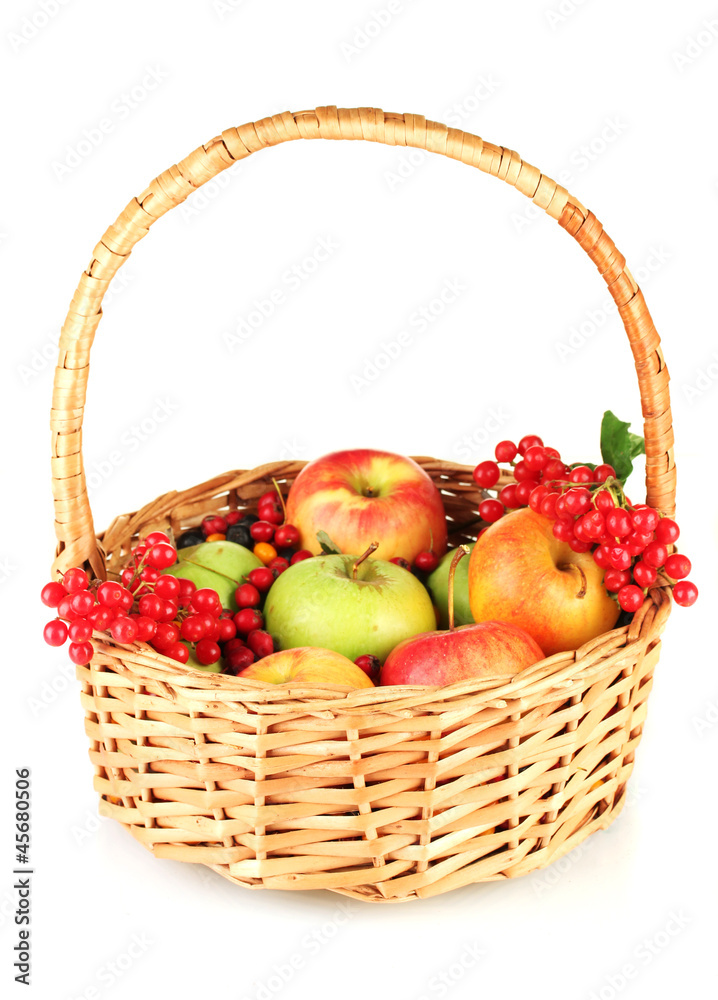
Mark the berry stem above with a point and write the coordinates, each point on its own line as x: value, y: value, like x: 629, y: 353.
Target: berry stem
x: 281, y: 498
x: 463, y: 550
x: 365, y: 555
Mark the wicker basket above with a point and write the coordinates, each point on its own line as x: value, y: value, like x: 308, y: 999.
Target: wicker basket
x: 386, y: 794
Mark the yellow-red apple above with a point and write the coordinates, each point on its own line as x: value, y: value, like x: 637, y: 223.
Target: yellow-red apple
x: 361, y: 495
x: 520, y: 573
x: 307, y: 665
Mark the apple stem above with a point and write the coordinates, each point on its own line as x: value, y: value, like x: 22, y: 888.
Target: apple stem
x: 365, y: 555
x: 584, y: 582
x: 463, y: 550
x: 281, y: 498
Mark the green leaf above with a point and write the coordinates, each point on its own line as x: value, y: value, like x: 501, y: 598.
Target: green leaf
x: 619, y: 446
x: 329, y: 548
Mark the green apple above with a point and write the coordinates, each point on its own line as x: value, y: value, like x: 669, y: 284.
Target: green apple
x: 352, y: 606
x: 219, y: 565
x: 438, y: 584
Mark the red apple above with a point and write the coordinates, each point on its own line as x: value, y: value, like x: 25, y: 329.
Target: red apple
x: 307, y: 665
x: 520, y: 573
x: 485, y: 650
x: 360, y: 495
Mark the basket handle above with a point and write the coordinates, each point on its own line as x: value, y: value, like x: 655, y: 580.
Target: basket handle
x: 74, y: 527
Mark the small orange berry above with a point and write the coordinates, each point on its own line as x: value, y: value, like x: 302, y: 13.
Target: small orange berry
x: 265, y: 552
x: 216, y: 537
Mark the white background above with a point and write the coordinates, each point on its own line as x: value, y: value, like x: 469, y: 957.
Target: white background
x: 619, y: 100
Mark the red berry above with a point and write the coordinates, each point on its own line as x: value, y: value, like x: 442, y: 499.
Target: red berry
x: 537, y: 495
x: 427, y: 561
x: 603, y: 472
x: 524, y: 490
x: 645, y: 520
x: 206, y: 599
x: 630, y: 597
x: 109, y: 594
x: 636, y: 542
x: 239, y: 659
x: 165, y: 636
x: 126, y: 576
x: 643, y: 574
x: 80, y: 652
x: 300, y: 556
x: 399, y: 561
x: 614, y: 579
x: 601, y: 556
x: 149, y: 574
x: 536, y: 458
x: 505, y: 451
x: 522, y: 472
x: 64, y: 608
x: 126, y: 599
x: 577, y: 500
x: 594, y: 524
x: 278, y: 565
x: 247, y: 596
x: 75, y: 579
x: 232, y: 517
x: 262, y: 578
x: 261, y: 643
x: 507, y: 496
x: 581, y: 474
x: 370, y: 665
x: 248, y: 620
x: 80, y: 630
x: 491, y: 510
x: 146, y: 627
x: 169, y: 611
x: 667, y: 531
x: 235, y: 643
x: 555, y: 469
x: 603, y: 501
x: 100, y: 618
x: 486, y: 474
x: 207, y: 652
x: 579, y: 546
x: 168, y: 587
x: 52, y: 593
x: 187, y: 587
x: 655, y: 554
x: 123, y: 629
x: 274, y: 515
x: 619, y: 557
x: 563, y: 529
x: 619, y: 523
x: 262, y: 531
x: 685, y: 593
x: 548, y: 505
x: 193, y: 628
x: 150, y: 606
x: 286, y: 537
x: 677, y: 566
x: 227, y: 630
x: 176, y: 651
x: 214, y: 525
x: 155, y: 537
x: 82, y: 602
x: 162, y: 556
x: 529, y: 441
x: 55, y: 633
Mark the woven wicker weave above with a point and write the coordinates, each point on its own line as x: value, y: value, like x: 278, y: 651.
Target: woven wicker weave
x: 385, y: 794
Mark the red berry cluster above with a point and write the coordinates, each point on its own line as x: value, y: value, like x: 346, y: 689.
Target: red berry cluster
x: 591, y: 513
x: 250, y: 642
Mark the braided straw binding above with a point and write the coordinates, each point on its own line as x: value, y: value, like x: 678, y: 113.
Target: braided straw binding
x: 385, y: 794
